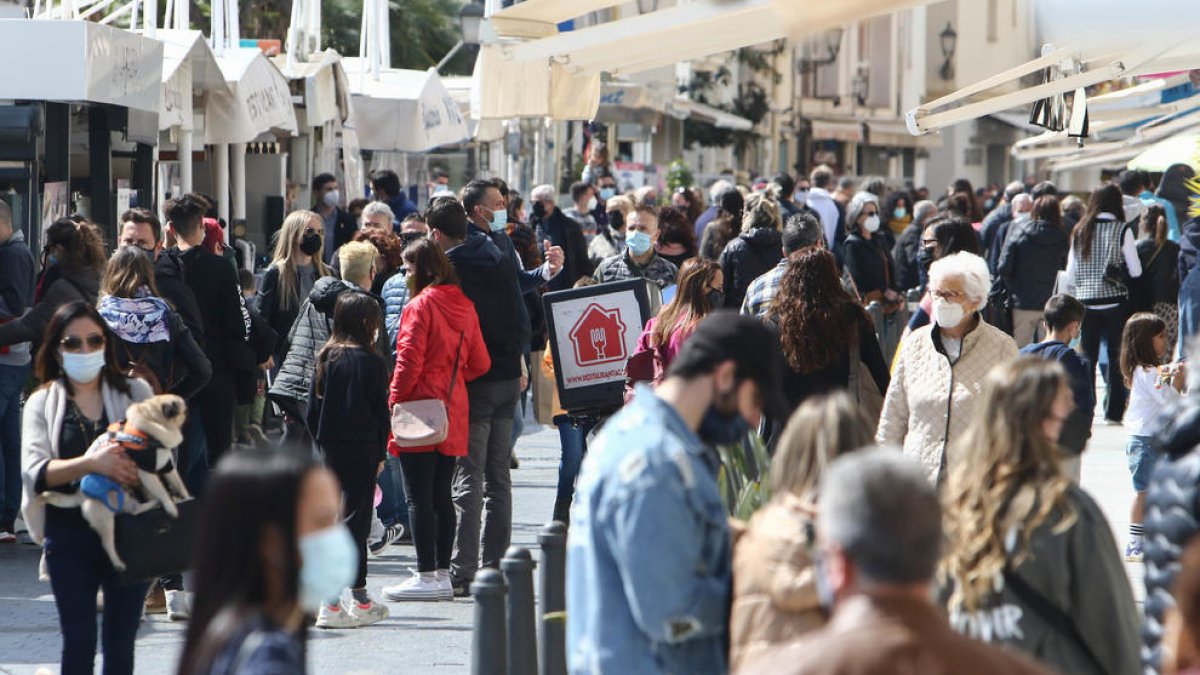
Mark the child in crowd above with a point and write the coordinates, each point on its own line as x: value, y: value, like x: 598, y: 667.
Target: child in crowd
x: 1063, y: 317
x: 248, y: 417
x: 1152, y: 387
x: 348, y: 417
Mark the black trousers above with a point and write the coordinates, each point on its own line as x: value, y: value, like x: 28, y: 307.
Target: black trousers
x: 1107, y: 324
x: 427, y: 479
x: 355, y: 470
x: 216, y: 402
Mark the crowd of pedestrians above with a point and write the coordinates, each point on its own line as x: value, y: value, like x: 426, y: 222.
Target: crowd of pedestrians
x: 961, y: 333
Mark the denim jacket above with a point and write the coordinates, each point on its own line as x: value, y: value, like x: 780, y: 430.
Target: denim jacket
x: 649, y: 562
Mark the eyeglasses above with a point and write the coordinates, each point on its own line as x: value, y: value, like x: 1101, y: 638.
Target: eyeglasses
x: 952, y: 296
x: 73, y: 344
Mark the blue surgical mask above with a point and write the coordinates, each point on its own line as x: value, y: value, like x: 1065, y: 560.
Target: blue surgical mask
x: 607, y: 193
x: 899, y: 212
x: 52, y: 259
x: 1075, y: 342
x: 83, y: 367
x: 801, y: 196
x: 328, y: 562
x: 718, y: 428
x: 638, y: 242
x: 499, y: 220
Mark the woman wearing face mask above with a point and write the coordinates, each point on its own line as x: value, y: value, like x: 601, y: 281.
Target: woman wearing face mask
x: 898, y: 211
x: 907, y: 251
x: 755, y: 251
x: 684, y: 201
x: 676, y: 239
x: 943, y: 236
x: 440, y: 350
x: 869, y: 263
x: 1026, y: 543
x: 271, y: 548
x: 939, y: 368
x: 294, y: 269
x: 1100, y: 244
x: 83, y: 391
x: 699, y: 292
x: 72, y: 261
x: 610, y: 240
x: 823, y: 330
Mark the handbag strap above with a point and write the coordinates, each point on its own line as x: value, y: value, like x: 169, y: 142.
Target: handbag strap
x: 1059, y: 620
x: 454, y: 373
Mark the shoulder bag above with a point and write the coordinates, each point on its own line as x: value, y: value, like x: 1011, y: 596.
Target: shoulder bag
x: 417, y: 424
x: 1059, y: 620
x: 152, y: 543
x: 1116, y: 272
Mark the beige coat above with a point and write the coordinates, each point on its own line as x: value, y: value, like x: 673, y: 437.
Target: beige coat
x: 930, y: 402
x: 774, y: 589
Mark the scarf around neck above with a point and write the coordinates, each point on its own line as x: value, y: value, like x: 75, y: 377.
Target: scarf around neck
x: 138, y: 320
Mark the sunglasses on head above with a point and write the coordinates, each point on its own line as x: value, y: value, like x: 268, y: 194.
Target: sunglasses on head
x: 72, y: 343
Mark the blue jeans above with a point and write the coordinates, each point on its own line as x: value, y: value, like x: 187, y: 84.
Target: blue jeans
x: 78, y: 567
x: 1142, y: 454
x: 573, y: 437
x: 394, y: 506
x: 12, y: 381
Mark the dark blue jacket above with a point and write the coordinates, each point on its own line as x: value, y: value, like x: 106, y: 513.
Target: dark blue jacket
x: 401, y: 207
x: 527, y: 280
x: 1078, y: 427
x: 487, y: 279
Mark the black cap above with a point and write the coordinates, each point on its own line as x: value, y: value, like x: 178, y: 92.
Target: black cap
x: 752, y: 345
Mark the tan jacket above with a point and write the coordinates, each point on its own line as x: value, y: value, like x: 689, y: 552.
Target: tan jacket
x: 930, y: 402
x: 774, y: 592
x: 894, y: 635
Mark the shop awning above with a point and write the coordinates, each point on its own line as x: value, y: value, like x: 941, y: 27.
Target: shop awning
x: 484, y: 131
x: 326, y: 88
x: 1110, y: 158
x: 258, y: 100
x: 1181, y: 149
x: 188, y: 66
x: 837, y: 130
x: 895, y: 135
x: 403, y: 110
x: 714, y: 116
x: 80, y: 61
x: 503, y: 89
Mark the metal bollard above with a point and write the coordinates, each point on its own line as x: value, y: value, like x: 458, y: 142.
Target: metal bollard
x: 553, y: 539
x: 489, y: 644
x: 517, y: 566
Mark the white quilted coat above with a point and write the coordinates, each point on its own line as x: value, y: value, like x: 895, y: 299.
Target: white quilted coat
x: 929, y: 402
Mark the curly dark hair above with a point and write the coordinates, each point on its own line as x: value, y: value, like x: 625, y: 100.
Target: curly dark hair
x: 388, y: 245
x: 673, y: 228
x: 817, y: 318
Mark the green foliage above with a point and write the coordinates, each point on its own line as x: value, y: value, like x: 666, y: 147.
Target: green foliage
x: 422, y: 32
x: 744, y: 477
x: 752, y: 101
x: 679, y: 175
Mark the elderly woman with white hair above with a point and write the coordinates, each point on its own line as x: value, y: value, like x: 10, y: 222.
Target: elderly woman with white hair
x: 867, y: 257
x: 941, y: 367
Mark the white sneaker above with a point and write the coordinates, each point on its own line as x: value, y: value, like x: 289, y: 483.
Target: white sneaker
x: 179, y: 605
x: 445, y: 588
x: 420, y: 586
x: 19, y: 525
x: 365, y: 615
x: 335, y: 616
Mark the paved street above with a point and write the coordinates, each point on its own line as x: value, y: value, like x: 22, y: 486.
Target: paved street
x: 419, y: 638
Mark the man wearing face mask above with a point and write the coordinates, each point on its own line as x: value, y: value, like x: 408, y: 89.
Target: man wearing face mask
x: 879, y: 535
x: 567, y: 230
x: 141, y: 228
x: 939, y: 368
x: 340, y: 225
x: 611, y: 239
x: 639, y: 261
x: 648, y: 576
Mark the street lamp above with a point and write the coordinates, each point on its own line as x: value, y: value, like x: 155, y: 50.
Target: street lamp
x: 470, y: 18
x: 949, y: 39
x: 833, y: 45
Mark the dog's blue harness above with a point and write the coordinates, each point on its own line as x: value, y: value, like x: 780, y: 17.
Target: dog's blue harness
x: 101, y: 488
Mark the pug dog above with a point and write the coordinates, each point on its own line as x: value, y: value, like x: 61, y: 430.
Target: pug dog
x: 149, y: 433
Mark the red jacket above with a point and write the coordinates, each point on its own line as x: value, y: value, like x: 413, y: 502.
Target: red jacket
x: 430, y: 328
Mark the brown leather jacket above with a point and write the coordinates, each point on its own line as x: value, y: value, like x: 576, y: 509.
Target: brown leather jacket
x: 892, y: 635
x: 774, y: 592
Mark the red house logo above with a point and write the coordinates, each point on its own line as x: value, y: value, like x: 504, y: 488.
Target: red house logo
x: 598, y: 336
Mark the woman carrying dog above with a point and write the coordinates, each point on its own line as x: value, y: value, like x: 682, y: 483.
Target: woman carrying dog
x: 348, y: 417
x: 83, y: 391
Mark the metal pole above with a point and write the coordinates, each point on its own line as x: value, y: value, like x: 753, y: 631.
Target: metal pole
x: 238, y: 184
x: 553, y: 539
x: 489, y: 643
x: 185, y: 160
x: 221, y: 161
x: 517, y: 566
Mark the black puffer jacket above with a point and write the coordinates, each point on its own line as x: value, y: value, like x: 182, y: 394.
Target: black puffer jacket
x: 309, y: 333
x: 1030, y: 260
x: 1172, y: 517
x: 749, y: 256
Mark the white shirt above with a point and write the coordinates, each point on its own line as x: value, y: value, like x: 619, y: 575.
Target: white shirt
x: 821, y: 201
x: 1147, y: 401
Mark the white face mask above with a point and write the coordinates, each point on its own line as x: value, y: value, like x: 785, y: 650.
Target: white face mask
x: 591, y: 205
x: 947, y: 314
x: 871, y: 224
x: 331, y: 198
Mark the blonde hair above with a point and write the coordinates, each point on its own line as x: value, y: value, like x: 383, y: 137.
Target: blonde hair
x: 286, y: 248
x: 619, y: 203
x: 356, y: 259
x: 761, y: 212
x: 1005, y: 479
x: 822, y: 429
